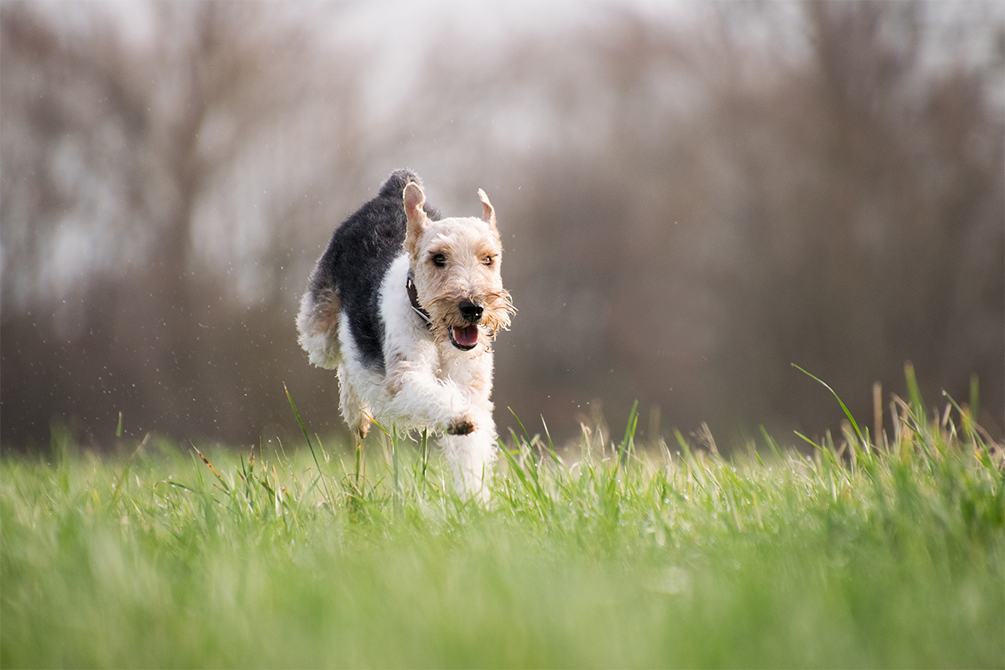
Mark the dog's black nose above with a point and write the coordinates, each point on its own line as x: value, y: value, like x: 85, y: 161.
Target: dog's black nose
x: 471, y: 311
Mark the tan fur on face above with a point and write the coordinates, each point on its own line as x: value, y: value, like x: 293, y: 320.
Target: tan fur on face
x: 473, y: 254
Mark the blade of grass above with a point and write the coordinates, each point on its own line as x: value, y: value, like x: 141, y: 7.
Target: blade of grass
x: 627, y: 445
x: 211, y: 468
x: 307, y: 437
x: 125, y: 471
x: 847, y: 412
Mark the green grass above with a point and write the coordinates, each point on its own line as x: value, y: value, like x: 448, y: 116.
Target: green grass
x: 856, y: 555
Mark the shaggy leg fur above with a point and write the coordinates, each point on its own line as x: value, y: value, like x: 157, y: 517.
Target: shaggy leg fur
x: 317, y: 324
x: 355, y: 413
x: 471, y: 457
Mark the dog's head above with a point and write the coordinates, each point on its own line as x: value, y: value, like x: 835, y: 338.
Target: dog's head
x: 455, y: 263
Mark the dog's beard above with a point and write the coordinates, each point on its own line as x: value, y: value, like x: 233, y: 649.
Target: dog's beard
x: 449, y: 327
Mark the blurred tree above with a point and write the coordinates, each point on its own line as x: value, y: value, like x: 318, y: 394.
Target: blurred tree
x: 705, y: 204
x: 690, y: 201
x: 125, y: 277
x: 868, y: 215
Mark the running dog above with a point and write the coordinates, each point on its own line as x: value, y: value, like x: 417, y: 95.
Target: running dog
x: 405, y: 305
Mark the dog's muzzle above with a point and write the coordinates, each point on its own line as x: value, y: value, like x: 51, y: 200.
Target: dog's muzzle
x: 465, y: 338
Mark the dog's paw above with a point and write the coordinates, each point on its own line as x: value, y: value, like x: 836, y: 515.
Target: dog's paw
x: 461, y: 426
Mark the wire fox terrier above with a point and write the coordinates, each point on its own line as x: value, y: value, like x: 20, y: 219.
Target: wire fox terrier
x: 413, y: 301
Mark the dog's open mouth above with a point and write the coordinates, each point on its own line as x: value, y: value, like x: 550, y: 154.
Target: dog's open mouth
x: 464, y: 338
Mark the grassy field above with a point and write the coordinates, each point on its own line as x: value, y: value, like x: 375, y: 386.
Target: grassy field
x: 855, y: 555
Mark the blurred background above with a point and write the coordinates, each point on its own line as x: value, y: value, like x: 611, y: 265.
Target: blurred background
x: 692, y: 197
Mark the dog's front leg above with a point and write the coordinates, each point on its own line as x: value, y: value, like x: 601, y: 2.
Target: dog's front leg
x: 470, y: 457
x: 415, y: 392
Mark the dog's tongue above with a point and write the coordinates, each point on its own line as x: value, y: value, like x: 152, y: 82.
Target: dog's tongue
x: 466, y: 336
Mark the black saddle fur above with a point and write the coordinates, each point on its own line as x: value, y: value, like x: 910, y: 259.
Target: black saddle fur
x: 358, y: 256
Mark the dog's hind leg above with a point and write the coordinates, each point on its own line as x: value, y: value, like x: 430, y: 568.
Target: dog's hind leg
x: 317, y: 325
x: 354, y: 411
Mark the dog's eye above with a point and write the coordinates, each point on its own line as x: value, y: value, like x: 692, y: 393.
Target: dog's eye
x: 439, y: 260
x: 489, y: 260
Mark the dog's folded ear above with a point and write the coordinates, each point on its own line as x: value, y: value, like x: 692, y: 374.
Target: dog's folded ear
x: 413, y: 199
x: 488, y: 211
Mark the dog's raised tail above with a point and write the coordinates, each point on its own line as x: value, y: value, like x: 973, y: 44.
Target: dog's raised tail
x: 397, y: 181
